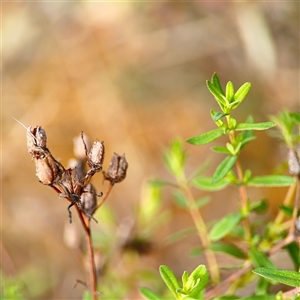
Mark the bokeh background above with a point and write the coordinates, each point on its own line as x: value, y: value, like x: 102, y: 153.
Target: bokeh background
x: 133, y: 75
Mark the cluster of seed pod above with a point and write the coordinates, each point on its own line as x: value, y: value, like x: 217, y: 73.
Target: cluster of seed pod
x: 73, y: 183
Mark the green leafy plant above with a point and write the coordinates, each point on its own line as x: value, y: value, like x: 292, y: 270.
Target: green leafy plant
x: 236, y: 234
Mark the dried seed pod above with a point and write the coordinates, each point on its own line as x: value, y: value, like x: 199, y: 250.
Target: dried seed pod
x: 47, y: 168
x: 294, y: 161
x: 117, y: 169
x: 36, y: 138
x: 89, y: 199
x: 96, y: 156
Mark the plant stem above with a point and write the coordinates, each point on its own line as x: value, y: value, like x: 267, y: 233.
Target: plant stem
x: 202, y: 233
x: 244, y: 199
x: 92, y: 267
x: 102, y: 200
x: 287, y: 201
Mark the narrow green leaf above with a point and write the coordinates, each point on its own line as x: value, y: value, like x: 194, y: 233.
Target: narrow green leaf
x: 175, y: 157
x: 242, y: 92
x: 169, y: 279
x: 296, y: 117
x: 222, y: 101
x: 259, y: 206
x: 185, y: 277
x: 245, y: 141
x: 255, y: 126
x: 271, y: 181
x: 224, y: 226
x: 293, y: 249
x: 180, y: 199
x: 202, y: 201
x: 229, y: 91
x: 178, y: 235
x: 198, y: 279
x: 262, y: 287
x: 291, y: 278
x: 220, y: 149
x: 206, y: 137
x: 148, y: 294
x: 287, y: 210
x: 196, y: 251
x: 223, y: 168
x: 205, y: 184
x: 215, y: 80
x: 216, y: 116
x: 228, y: 249
x: 260, y: 259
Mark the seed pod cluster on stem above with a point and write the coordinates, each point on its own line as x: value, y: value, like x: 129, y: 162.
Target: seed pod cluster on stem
x: 73, y: 183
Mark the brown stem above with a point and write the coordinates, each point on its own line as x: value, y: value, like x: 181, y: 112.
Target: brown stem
x: 217, y: 289
x: 90, y: 250
x: 103, y: 198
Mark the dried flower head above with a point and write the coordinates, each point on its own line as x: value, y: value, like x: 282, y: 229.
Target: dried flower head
x: 36, y: 138
x: 47, y: 168
x: 96, y: 156
x: 117, y: 169
x: 89, y: 199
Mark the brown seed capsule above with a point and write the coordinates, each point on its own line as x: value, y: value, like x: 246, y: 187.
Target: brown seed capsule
x: 96, y: 156
x: 36, y: 138
x: 117, y: 169
x: 89, y: 199
x: 47, y: 168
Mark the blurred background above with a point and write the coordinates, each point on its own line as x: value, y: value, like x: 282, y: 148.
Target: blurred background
x: 133, y: 75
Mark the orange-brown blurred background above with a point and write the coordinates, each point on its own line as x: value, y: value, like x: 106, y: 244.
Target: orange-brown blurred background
x: 133, y: 75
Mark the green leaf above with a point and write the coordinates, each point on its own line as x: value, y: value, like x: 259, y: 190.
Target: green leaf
x: 216, y: 116
x: 216, y: 82
x: 180, y: 199
x: 262, y: 287
x: 291, y: 278
x: 223, y: 168
x: 201, y: 202
x: 222, y: 101
x: 293, y: 250
x: 241, y: 93
x: 196, y: 251
x: 260, y: 259
x: 206, y: 137
x: 169, y: 279
x: 198, y: 280
x: 185, y: 277
x: 205, y: 184
x: 175, y: 158
x: 224, y: 226
x: 228, y: 249
x: 220, y: 149
x: 148, y: 294
x: 259, y: 206
x: 287, y: 210
x: 230, y: 91
x: 178, y: 235
x: 255, y: 126
x: 296, y: 117
x: 271, y: 181
x: 200, y: 277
